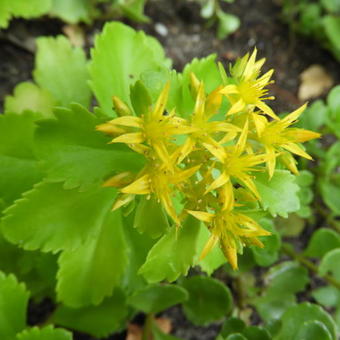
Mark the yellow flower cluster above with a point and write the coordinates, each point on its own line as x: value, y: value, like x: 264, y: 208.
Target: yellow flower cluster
x: 215, y: 165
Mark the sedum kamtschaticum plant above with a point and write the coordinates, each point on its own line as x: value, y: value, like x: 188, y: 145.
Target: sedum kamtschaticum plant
x: 171, y: 170
x: 213, y: 166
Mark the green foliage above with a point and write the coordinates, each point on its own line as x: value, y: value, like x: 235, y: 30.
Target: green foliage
x: 28, y: 96
x: 61, y: 69
x: 317, y: 19
x: 213, y: 12
x: 155, y: 298
x: 284, y: 281
x: 13, y: 306
x: 14, y: 299
x: 60, y: 236
x: 209, y: 300
x: 19, y: 169
x: 120, y: 45
x: 48, y: 332
x: 71, y: 11
x: 306, y: 319
x: 101, y: 320
x: 173, y: 254
x: 74, y: 153
x: 279, y: 195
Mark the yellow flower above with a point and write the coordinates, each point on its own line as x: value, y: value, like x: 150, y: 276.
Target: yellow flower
x: 158, y: 180
x: 153, y: 131
x: 249, y: 91
x: 276, y: 136
x: 232, y: 229
x: 203, y: 130
x: 236, y: 163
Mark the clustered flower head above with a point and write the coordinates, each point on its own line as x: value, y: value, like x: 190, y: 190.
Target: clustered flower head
x: 214, y: 166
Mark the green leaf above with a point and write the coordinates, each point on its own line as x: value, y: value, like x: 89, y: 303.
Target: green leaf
x: 333, y: 118
x: 279, y: 195
x: 227, y: 24
x: 140, y: 98
x: 215, y: 257
x: 331, y: 5
x: 61, y: 69
x: 138, y: 246
x: 205, y: 70
x: 99, y: 321
x: 13, y: 301
x: 19, y: 169
x: 333, y: 99
x: 236, y: 336
x: 50, y: 218
x: 22, y: 8
x: 313, y: 330
x: 73, y: 11
x: 256, y: 333
x: 209, y: 300
x: 331, y: 195
x: 119, y: 57
x: 331, y: 26
x: 156, y: 298
x: 232, y: 325
x: 134, y: 9
x: 284, y: 281
x: 330, y: 263
x: 73, y: 152
x: 286, y: 278
x: 89, y: 273
x: 327, y: 296
x: 150, y: 218
x: 322, y: 241
x: 297, y: 316
x: 269, y: 253
x: 173, y: 254
x: 28, y: 96
x: 208, y: 9
x: 45, y: 333
x: 314, y: 117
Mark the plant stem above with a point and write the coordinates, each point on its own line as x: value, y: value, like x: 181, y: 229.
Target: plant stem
x: 147, y: 329
x: 310, y: 265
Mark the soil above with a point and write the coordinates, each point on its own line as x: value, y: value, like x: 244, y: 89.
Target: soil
x: 184, y: 38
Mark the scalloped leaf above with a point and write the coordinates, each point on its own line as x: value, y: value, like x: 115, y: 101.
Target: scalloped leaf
x: 50, y: 218
x: 297, y: 316
x: 284, y: 281
x: 13, y: 301
x: 209, y: 300
x: 99, y: 321
x: 173, y: 254
x: 119, y: 57
x: 279, y: 195
x: 62, y: 70
x: 73, y: 11
x: 23, y: 9
x: 45, y: 333
x: 74, y: 153
x: 330, y: 263
x: 90, y: 272
x: 19, y: 169
x: 28, y: 96
x: 156, y: 298
x: 322, y: 241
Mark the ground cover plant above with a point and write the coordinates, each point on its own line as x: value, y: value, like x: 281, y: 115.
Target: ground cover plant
x: 173, y: 188
x: 317, y: 19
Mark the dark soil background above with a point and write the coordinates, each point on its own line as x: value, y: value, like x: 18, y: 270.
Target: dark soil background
x: 185, y: 38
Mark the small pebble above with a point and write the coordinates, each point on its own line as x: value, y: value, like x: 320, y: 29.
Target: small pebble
x: 161, y: 29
